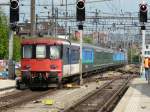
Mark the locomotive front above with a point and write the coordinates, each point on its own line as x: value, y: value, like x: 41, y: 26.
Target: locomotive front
x: 41, y: 63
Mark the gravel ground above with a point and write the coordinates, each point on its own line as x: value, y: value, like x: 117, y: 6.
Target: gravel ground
x: 62, y: 98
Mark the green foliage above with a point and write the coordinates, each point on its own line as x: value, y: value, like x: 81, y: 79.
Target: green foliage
x: 3, y: 36
x: 85, y: 39
x: 4, y: 40
x: 133, y: 56
x: 88, y: 40
x: 17, y: 48
x: 74, y: 39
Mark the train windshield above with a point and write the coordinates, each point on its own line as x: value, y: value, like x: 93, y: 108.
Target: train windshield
x: 40, y: 51
x: 27, y: 51
x: 55, y: 52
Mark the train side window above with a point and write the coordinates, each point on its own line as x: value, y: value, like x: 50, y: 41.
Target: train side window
x: 67, y: 55
x: 74, y: 56
x: 33, y: 51
x: 55, y: 52
x: 40, y: 51
x: 47, y: 51
x: 27, y: 51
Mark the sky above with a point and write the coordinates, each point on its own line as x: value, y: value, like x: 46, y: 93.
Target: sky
x: 113, y: 6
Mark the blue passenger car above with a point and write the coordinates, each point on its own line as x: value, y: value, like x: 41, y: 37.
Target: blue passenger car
x: 119, y: 57
x: 87, y: 56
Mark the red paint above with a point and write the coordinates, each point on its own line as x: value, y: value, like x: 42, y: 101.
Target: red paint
x: 44, y: 66
x: 41, y: 65
x: 45, y: 41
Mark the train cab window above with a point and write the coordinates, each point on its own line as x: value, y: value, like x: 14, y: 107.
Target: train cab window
x: 40, y: 51
x: 27, y: 51
x: 55, y: 52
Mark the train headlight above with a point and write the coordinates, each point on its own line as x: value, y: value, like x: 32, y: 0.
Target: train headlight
x: 53, y: 66
x: 27, y: 66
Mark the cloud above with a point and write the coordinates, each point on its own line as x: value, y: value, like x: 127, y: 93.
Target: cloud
x: 4, y: 1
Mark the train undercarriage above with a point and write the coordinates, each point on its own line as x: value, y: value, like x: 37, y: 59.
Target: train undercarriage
x: 38, y: 80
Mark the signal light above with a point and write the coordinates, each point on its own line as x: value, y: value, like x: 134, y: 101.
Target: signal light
x: 80, y: 4
x: 80, y: 11
x: 143, y: 12
x: 14, y: 11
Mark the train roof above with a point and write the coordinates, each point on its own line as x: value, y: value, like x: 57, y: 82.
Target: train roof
x: 98, y: 48
x: 47, y: 40
x: 51, y: 41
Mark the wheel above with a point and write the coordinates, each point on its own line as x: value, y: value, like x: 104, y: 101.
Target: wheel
x: 20, y: 85
x: 60, y: 85
x: 17, y: 85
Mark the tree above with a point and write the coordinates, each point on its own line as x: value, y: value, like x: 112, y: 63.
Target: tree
x: 133, y: 55
x: 4, y: 40
x: 17, y: 48
x: 88, y: 40
x: 4, y: 29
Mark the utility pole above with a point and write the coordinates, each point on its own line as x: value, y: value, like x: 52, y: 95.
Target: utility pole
x: 53, y: 18
x: 96, y: 20
x: 66, y: 14
x: 69, y: 32
x: 33, y: 18
x: 80, y: 27
x: 48, y: 24
x: 10, y: 63
x: 56, y: 16
x: 36, y: 27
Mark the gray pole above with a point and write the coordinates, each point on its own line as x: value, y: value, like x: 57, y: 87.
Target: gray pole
x: 66, y: 19
x: 143, y: 48
x: 32, y: 17
x: 131, y: 51
x: 52, y: 26
x: 11, y: 71
x: 56, y: 16
x: 69, y: 32
x: 143, y: 42
x: 48, y: 24
x: 96, y: 20
x: 81, y: 39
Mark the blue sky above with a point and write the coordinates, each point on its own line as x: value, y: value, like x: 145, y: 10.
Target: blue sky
x: 114, y: 6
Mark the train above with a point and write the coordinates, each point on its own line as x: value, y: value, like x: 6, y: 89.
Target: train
x: 50, y: 61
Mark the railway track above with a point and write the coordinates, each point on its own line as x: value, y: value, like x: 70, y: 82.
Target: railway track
x: 21, y: 97
x: 110, y: 92
x: 8, y: 88
x: 104, y: 98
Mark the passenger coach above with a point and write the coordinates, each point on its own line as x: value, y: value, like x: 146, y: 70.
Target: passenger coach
x: 47, y: 61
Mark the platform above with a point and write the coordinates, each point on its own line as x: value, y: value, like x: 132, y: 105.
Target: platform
x: 6, y: 84
x: 137, y: 97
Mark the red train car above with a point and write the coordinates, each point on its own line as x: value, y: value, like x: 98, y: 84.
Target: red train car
x: 41, y: 62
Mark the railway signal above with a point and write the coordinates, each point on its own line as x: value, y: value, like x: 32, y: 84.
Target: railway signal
x: 80, y: 10
x: 14, y: 11
x: 80, y: 16
x: 14, y: 18
x: 143, y: 12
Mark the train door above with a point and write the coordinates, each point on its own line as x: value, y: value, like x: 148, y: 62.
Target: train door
x: 69, y: 61
x: 67, y: 58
